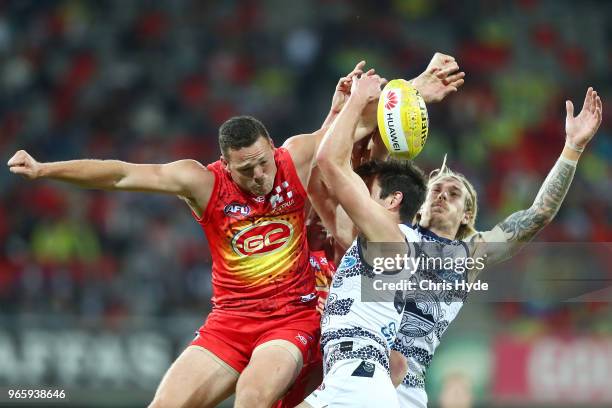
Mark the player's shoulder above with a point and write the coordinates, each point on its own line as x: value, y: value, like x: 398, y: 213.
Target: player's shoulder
x: 190, y: 165
x: 197, y: 181
x: 496, y: 235
x: 300, y: 140
x: 190, y: 169
x: 301, y: 147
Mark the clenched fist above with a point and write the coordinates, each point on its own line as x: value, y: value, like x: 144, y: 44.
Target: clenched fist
x: 24, y: 165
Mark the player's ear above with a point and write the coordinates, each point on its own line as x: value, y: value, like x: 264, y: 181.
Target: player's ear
x: 271, y: 142
x: 396, y: 199
x: 224, y: 162
x: 467, y: 216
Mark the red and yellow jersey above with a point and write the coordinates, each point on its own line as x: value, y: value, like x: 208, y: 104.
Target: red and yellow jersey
x: 258, y: 244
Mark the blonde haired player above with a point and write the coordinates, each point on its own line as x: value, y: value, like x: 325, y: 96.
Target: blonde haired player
x: 449, y: 215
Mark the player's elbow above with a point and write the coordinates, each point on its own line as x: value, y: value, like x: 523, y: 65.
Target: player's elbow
x: 544, y: 216
x: 327, y: 164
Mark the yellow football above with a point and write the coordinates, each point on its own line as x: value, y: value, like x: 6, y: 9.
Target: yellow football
x: 402, y: 119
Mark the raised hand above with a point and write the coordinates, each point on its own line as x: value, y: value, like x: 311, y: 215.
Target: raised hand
x: 24, y: 165
x: 439, y: 79
x: 580, y: 130
x: 343, y: 88
x: 367, y: 88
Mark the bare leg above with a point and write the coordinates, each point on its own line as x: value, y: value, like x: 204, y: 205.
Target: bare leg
x: 197, y: 378
x: 273, y: 367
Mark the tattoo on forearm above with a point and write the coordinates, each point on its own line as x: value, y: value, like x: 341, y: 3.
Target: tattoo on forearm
x: 524, y: 225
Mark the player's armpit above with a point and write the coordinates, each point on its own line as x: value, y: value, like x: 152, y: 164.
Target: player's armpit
x: 302, y: 149
x: 375, y: 222
x: 327, y: 207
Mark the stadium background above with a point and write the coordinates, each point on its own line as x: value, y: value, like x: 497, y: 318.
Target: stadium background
x: 100, y: 291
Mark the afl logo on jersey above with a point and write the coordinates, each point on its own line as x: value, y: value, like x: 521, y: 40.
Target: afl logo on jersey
x: 263, y: 239
x: 236, y: 210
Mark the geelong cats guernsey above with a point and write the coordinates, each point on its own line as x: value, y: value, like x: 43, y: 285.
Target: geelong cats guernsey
x: 427, y: 314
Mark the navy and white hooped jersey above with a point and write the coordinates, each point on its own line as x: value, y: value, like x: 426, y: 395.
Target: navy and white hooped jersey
x: 351, y: 328
x: 428, y: 313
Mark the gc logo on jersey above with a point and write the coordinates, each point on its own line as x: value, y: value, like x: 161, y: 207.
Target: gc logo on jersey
x: 235, y: 209
x: 263, y: 239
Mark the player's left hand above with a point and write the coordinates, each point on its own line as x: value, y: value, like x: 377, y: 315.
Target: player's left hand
x: 367, y: 88
x: 580, y: 130
x: 439, y: 79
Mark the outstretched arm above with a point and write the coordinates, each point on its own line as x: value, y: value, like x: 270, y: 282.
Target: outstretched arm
x: 520, y: 227
x: 440, y: 78
x: 333, y: 159
x: 330, y: 212
x: 185, y: 178
x: 326, y: 204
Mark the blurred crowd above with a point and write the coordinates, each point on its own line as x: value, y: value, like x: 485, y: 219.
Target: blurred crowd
x: 152, y: 81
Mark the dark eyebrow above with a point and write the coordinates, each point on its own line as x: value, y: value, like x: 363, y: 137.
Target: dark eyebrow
x: 244, y: 166
x: 249, y: 165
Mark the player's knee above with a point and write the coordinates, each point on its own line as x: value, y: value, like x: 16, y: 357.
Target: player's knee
x: 252, y: 396
x: 158, y: 403
x: 164, y: 401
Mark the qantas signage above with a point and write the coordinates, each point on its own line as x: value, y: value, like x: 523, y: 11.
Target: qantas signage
x: 263, y: 239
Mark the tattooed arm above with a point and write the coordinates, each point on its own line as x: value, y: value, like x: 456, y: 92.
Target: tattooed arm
x: 507, y: 237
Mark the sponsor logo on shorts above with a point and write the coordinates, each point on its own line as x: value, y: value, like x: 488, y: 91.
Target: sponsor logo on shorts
x: 236, y: 210
x: 263, y: 239
x: 365, y: 369
x: 301, y: 339
x: 345, y: 346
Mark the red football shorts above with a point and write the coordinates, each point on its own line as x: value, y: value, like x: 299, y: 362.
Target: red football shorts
x: 233, y: 338
x: 306, y: 382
